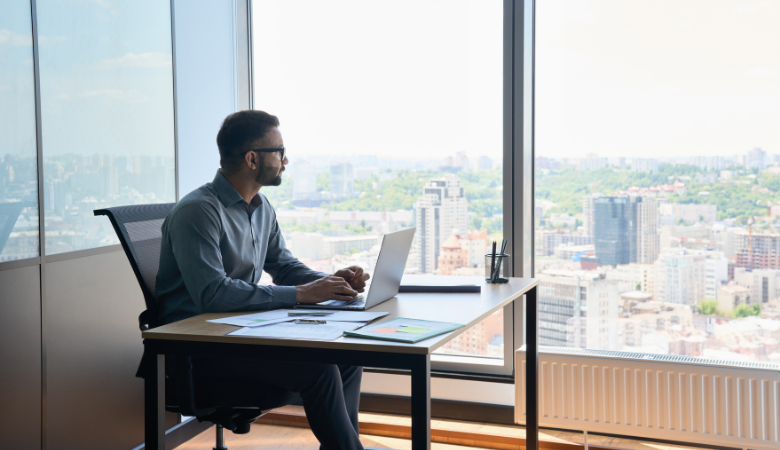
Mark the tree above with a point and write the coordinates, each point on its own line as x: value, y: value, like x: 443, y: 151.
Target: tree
x: 747, y: 311
x: 708, y: 307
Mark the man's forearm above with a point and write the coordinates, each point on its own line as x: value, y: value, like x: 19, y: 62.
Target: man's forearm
x: 236, y: 295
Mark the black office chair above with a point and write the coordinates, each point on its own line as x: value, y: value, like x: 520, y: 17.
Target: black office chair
x: 233, y: 405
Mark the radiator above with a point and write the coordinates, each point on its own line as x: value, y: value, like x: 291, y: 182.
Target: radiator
x: 676, y: 398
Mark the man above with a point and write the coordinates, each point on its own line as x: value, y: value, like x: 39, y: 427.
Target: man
x: 216, y: 243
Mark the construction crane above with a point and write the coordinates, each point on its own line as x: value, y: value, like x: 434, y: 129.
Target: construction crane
x: 750, y: 245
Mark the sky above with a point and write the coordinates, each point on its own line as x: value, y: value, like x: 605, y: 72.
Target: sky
x: 416, y: 78
x: 99, y: 94
x: 420, y: 79
x: 661, y: 78
x: 402, y: 78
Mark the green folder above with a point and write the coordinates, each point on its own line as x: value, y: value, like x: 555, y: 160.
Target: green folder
x: 404, y: 330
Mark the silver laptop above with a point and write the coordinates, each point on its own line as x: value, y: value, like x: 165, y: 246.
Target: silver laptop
x: 387, y: 275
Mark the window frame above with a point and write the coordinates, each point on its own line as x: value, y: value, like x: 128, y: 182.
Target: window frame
x: 518, y: 187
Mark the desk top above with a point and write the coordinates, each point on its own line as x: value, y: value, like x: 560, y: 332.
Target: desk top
x: 468, y: 309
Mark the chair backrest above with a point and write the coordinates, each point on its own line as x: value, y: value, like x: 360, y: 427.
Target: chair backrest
x: 139, y: 228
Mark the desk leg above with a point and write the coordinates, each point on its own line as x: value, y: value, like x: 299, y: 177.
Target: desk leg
x: 532, y: 372
x: 154, y: 404
x: 421, y: 403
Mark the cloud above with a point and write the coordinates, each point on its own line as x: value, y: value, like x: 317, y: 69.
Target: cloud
x: 760, y: 72
x: 132, y: 96
x: 143, y: 60
x: 45, y: 40
x: 8, y: 37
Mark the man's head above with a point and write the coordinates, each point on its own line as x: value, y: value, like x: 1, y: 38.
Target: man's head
x: 241, y: 134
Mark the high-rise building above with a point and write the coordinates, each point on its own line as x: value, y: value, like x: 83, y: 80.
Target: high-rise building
x: 717, y: 273
x: 452, y: 256
x: 645, y: 217
x: 680, y: 276
x: 484, y: 163
x: 459, y: 162
x: 765, y: 286
x: 708, y: 162
x: 755, y: 159
x: 591, y: 162
x: 633, y: 277
x: 475, y: 246
x: 625, y: 230
x: 547, y: 241
x: 673, y: 213
x: 441, y: 209
x: 578, y: 309
x: 644, y: 165
x: 304, y: 179
x: 342, y: 180
x: 588, y: 210
x: 110, y: 180
x: 757, y: 250
x: 731, y: 295
x: 614, y: 231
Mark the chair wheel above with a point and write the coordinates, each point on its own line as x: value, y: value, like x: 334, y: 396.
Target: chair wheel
x: 242, y: 428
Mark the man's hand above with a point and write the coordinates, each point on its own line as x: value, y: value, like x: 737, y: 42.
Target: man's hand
x: 355, y: 276
x: 324, y: 289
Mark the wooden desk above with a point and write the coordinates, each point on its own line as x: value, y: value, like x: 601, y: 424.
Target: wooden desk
x: 196, y: 337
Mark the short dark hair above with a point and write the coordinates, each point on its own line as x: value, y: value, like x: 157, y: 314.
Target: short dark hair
x: 239, y: 129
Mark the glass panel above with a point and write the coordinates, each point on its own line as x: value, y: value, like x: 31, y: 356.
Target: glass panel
x: 392, y: 114
x: 107, y: 114
x: 658, y: 177
x: 18, y: 154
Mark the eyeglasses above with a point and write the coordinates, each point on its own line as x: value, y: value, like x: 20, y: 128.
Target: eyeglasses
x: 270, y: 150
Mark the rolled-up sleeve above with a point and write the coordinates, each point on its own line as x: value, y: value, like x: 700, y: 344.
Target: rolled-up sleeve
x: 195, y: 238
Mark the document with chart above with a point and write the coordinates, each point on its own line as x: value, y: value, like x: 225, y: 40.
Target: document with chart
x: 404, y: 330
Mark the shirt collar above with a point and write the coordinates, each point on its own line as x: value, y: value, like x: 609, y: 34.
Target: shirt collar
x: 225, y: 191
x: 228, y: 195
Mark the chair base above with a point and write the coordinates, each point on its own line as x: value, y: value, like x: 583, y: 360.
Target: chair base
x: 220, y: 438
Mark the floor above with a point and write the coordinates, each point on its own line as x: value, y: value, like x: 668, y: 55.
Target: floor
x: 268, y: 437
x: 273, y: 436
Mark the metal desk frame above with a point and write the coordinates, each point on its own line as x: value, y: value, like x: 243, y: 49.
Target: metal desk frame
x: 419, y: 365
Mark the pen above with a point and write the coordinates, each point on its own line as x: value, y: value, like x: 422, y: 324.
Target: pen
x: 496, y: 275
x: 310, y: 321
x: 309, y: 313
x: 493, y: 261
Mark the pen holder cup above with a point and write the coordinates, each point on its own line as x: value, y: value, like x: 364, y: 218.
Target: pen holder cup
x: 502, y: 263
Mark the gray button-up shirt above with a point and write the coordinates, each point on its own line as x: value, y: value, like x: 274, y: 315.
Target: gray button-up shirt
x: 215, y: 247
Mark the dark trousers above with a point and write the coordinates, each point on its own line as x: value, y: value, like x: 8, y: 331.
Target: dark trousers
x: 330, y: 393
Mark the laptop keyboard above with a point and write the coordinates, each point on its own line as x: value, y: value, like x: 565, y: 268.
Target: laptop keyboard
x: 358, y: 301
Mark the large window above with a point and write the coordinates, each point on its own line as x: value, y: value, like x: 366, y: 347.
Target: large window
x: 392, y: 114
x: 107, y: 114
x: 658, y: 177
x: 18, y: 157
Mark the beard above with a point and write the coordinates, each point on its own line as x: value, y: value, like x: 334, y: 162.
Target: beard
x: 269, y: 176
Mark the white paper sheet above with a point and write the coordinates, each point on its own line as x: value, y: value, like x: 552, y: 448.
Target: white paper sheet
x: 281, y: 315
x: 329, y: 332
